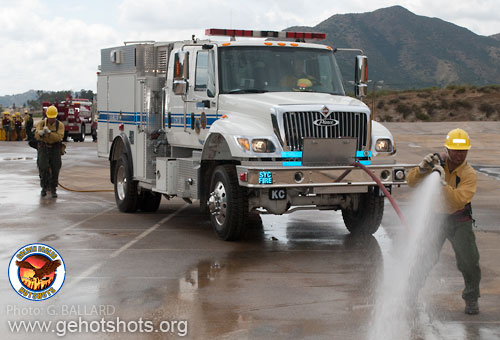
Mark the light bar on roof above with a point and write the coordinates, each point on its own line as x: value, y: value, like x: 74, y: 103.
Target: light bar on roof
x: 264, y: 34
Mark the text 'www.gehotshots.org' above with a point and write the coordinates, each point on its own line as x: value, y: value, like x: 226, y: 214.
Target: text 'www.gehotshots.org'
x: 64, y: 327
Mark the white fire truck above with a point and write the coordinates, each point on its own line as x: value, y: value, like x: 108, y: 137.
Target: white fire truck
x: 242, y: 125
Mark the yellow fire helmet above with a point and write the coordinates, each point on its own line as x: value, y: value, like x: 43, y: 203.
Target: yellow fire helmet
x: 51, y: 112
x: 303, y: 83
x: 18, y: 114
x: 457, y: 139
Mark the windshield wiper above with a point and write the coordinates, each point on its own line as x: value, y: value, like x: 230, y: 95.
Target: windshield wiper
x: 247, y: 91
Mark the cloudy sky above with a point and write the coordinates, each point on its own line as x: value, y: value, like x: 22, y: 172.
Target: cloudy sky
x: 55, y: 44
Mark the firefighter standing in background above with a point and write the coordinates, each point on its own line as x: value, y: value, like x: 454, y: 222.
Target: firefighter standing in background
x: 459, y: 186
x: 6, y: 124
x: 18, y: 124
x: 28, y: 124
x: 49, y: 133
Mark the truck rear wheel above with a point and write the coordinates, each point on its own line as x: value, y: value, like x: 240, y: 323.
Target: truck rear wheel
x: 149, y: 201
x: 125, y: 186
x: 228, y: 203
x: 367, y: 217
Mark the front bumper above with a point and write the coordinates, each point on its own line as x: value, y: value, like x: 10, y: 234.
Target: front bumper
x: 324, y: 179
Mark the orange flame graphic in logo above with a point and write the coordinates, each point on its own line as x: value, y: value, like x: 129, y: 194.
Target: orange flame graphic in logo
x: 37, y: 272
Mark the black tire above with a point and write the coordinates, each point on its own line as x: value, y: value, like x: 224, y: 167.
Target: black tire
x: 81, y: 137
x: 228, y: 204
x: 125, y: 187
x: 149, y: 201
x: 367, y: 218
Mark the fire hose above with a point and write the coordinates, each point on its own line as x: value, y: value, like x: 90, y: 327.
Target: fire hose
x: 385, y: 191
x: 74, y: 190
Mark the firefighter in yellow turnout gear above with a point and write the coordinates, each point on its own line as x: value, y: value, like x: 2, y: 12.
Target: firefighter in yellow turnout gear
x: 6, y: 123
x: 49, y: 133
x: 459, y: 186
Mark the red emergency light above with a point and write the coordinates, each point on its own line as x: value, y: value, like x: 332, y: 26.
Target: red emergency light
x: 264, y: 34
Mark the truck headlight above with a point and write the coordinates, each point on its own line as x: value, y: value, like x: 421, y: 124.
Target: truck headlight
x: 383, y: 145
x: 263, y: 146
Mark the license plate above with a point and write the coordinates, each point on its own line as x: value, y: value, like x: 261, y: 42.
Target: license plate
x: 277, y: 194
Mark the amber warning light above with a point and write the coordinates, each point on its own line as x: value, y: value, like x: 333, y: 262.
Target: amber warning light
x: 264, y: 34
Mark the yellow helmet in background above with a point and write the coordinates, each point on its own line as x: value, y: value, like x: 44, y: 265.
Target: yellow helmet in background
x: 303, y: 83
x: 51, y: 112
x: 457, y: 139
x: 6, y: 113
x: 18, y: 114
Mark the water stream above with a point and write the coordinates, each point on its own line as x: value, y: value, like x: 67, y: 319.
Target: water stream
x: 397, y: 305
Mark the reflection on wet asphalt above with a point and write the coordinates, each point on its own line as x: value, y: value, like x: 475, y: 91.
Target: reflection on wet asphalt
x: 488, y: 170
x: 298, y: 276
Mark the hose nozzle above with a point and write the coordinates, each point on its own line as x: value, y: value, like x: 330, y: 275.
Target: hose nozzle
x: 441, y: 162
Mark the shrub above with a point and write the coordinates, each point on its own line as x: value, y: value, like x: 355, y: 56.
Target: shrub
x: 422, y: 116
x: 444, y: 105
x: 458, y: 104
x: 488, y: 109
x: 423, y: 94
x: 394, y: 101
x: 386, y: 118
x: 404, y: 109
x: 380, y: 104
x: 430, y: 108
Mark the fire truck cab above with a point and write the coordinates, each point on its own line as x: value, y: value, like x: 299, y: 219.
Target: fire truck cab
x: 242, y: 126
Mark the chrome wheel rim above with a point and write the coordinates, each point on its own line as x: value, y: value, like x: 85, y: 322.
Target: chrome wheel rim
x: 121, y: 183
x: 217, y: 203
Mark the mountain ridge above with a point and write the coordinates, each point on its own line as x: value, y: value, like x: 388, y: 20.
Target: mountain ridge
x: 412, y: 51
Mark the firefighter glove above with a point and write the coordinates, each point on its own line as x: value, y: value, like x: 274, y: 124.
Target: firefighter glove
x: 438, y: 168
x: 46, y: 130
x: 427, y: 163
x: 41, y: 133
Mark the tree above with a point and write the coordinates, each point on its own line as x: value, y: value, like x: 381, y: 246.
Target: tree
x: 85, y: 94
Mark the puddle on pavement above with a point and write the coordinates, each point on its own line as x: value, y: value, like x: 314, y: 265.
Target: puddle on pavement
x: 489, y: 171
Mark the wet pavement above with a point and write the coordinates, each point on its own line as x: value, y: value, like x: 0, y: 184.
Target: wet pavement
x: 298, y: 276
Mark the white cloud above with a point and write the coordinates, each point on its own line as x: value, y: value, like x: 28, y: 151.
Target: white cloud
x: 41, y: 51
x: 55, y: 45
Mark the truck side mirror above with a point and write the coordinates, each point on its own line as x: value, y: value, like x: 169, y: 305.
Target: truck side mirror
x: 361, y: 76
x: 181, y: 73
x: 180, y: 87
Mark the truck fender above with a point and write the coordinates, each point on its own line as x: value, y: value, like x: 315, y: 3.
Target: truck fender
x: 121, y: 145
x: 216, y: 148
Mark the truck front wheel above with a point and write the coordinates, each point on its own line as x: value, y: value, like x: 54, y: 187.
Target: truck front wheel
x: 125, y: 186
x: 227, y: 203
x: 367, y: 217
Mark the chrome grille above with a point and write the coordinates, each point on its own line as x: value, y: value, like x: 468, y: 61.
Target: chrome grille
x: 298, y: 125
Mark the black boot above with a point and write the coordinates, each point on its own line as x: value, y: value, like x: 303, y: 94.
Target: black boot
x: 43, y: 193
x: 54, y: 193
x: 471, y: 307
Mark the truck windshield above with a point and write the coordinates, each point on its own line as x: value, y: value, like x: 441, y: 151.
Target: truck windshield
x: 256, y: 69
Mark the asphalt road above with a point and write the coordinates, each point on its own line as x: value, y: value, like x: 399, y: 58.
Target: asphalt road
x: 298, y: 276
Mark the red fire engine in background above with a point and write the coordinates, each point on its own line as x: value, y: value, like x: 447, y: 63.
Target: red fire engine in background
x: 76, y: 115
